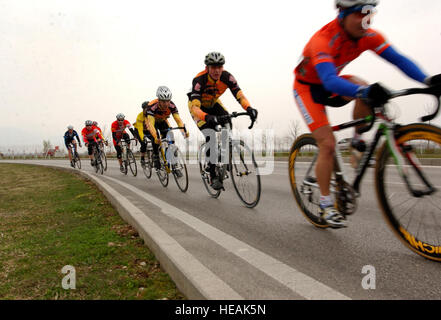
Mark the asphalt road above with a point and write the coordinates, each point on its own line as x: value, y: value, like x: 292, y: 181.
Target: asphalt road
x: 271, y: 251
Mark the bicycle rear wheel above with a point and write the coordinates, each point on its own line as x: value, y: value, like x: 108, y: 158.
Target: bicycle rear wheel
x: 302, y: 163
x: 132, y: 162
x: 245, y: 174
x: 205, y: 174
x: 179, y: 170
x: 415, y: 220
x: 104, y: 159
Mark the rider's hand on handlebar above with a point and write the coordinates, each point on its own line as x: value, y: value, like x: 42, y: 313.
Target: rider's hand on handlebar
x: 430, y: 81
x: 375, y: 95
x: 211, y: 119
x: 252, y: 113
x: 158, y: 141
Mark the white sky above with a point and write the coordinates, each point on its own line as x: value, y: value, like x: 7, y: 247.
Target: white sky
x: 63, y: 62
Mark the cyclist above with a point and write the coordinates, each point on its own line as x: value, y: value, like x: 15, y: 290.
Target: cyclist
x: 141, y: 130
x: 204, y: 103
x: 118, y: 132
x: 157, y: 113
x: 318, y: 84
x: 69, y: 138
x: 91, y: 135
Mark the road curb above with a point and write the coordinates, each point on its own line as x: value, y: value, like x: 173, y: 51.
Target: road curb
x: 193, y: 279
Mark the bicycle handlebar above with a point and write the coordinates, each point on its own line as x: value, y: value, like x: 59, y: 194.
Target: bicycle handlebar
x: 235, y: 115
x: 434, y: 90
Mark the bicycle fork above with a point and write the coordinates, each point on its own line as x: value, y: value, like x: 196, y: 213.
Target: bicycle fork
x: 397, y: 152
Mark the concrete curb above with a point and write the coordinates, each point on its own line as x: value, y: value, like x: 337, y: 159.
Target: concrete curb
x: 192, y: 278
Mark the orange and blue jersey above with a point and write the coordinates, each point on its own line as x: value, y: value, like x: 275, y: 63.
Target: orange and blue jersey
x: 330, y: 50
x: 91, y: 135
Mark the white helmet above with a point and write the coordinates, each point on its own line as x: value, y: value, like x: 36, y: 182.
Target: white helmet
x: 214, y: 58
x: 163, y: 93
x: 353, y: 3
x: 70, y: 127
x: 120, y: 116
x: 88, y: 123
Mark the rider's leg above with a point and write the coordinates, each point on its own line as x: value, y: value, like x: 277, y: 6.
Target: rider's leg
x: 325, y: 162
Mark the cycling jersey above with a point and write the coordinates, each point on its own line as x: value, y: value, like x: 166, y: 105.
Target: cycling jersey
x: 205, y: 93
x: 118, y: 130
x: 156, y: 115
x: 91, y: 135
x: 140, y: 125
x: 317, y: 81
x: 69, y: 137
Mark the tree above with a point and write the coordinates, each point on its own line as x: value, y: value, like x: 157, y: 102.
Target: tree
x: 46, y: 146
x: 294, y: 129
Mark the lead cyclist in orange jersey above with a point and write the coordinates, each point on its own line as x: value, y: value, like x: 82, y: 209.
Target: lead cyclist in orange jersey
x: 318, y: 83
x: 204, y: 103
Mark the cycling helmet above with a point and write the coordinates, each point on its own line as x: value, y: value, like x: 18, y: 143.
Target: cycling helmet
x: 214, y: 58
x: 94, y: 123
x: 144, y: 105
x: 120, y: 116
x: 163, y: 93
x: 353, y: 3
x: 88, y: 123
x: 69, y: 127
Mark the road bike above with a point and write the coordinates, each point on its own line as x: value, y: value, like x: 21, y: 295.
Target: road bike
x: 128, y: 158
x: 147, y: 168
x: 76, y: 161
x: 171, y: 161
x: 97, y: 162
x: 235, y: 158
x: 103, y: 154
x: 406, y: 190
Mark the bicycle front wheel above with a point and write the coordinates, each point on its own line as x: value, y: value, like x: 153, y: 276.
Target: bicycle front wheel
x: 245, y: 174
x: 415, y: 219
x: 302, y: 163
x: 132, y: 162
x: 77, y: 161
x: 205, y: 174
x: 104, y: 159
x: 148, y: 164
x: 179, y: 170
x: 162, y: 171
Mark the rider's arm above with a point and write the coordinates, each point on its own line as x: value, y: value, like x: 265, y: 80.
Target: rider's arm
x: 231, y: 82
x: 195, y: 98
x: 178, y: 119
x: 333, y: 83
x: 404, y: 64
x: 150, y: 123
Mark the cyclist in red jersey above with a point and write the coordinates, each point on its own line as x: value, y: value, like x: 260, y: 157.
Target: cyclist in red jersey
x: 91, y: 135
x: 118, y: 132
x: 318, y: 84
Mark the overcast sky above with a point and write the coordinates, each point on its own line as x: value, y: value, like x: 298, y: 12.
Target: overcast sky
x: 63, y: 62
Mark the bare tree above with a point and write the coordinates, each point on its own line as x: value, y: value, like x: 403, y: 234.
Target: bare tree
x: 46, y: 146
x: 294, y: 129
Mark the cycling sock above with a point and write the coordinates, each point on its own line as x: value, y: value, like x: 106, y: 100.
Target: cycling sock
x: 326, y: 201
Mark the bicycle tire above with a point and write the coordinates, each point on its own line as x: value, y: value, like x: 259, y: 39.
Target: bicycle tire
x: 132, y: 162
x: 148, y: 168
x: 206, y: 179
x: 306, y: 197
x: 240, y: 169
x: 400, y: 208
x: 104, y: 159
x: 77, y: 161
x: 162, y: 171
x: 182, y: 182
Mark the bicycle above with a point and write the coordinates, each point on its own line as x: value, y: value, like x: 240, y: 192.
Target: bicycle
x: 172, y: 161
x: 98, y: 163
x: 409, y: 205
x: 148, y: 167
x: 76, y: 161
x: 128, y: 158
x: 103, y: 154
x: 240, y: 163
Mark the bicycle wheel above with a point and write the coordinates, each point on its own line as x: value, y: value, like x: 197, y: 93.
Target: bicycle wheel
x: 98, y: 163
x: 148, y: 164
x: 245, y: 174
x: 179, y: 170
x: 205, y: 174
x: 104, y: 159
x: 416, y: 220
x: 162, y: 171
x: 302, y: 160
x: 77, y: 161
x: 132, y: 162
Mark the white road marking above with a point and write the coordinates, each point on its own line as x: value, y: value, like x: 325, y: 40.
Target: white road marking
x: 296, y: 281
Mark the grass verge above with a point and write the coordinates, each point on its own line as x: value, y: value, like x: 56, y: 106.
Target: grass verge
x: 50, y: 219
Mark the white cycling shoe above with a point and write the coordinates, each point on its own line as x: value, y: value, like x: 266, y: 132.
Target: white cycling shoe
x: 333, y: 218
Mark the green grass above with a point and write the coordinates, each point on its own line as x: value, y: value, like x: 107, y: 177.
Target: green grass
x: 49, y: 219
